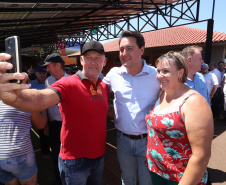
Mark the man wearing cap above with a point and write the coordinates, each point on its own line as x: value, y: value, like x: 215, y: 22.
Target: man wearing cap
x: 83, y: 99
x: 55, y: 66
x: 41, y: 75
x: 211, y: 80
x: 39, y: 83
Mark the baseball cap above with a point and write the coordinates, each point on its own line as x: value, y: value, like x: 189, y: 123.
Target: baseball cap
x: 52, y: 58
x: 40, y: 69
x: 93, y: 45
x: 205, y: 66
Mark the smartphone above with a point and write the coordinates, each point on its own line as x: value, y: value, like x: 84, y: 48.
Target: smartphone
x: 12, y: 47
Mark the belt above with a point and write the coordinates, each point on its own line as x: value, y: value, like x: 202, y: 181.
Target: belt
x: 135, y: 137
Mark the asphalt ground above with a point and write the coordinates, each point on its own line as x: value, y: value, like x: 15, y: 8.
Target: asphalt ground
x: 217, y: 163
x: 112, y: 172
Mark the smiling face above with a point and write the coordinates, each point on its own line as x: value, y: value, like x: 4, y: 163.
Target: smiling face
x: 130, y: 54
x: 93, y: 63
x: 168, y: 75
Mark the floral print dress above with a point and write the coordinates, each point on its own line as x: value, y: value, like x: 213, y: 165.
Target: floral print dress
x: 168, y: 146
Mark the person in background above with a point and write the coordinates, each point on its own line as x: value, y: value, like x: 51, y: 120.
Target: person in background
x: 68, y: 70
x: 84, y: 100
x: 221, y: 68
x: 211, y: 80
x: 225, y: 66
x: 224, y: 90
x: 195, y: 80
x: 55, y: 65
x: 135, y: 89
x: 17, y: 158
x: 180, y: 128
x: 39, y: 83
x: 216, y: 100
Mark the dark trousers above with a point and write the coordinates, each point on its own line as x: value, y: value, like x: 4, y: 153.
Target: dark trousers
x: 215, y: 103
x: 54, y: 134
x: 44, y: 142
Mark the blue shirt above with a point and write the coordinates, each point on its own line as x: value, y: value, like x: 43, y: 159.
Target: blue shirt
x: 134, y: 96
x: 199, y: 85
x: 35, y: 84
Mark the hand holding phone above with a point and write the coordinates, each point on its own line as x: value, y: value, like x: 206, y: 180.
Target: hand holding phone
x: 12, y: 47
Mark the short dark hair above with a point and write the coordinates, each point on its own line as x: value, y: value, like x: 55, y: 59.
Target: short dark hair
x: 137, y: 35
x: 214, y: 64
x: 220, y: 63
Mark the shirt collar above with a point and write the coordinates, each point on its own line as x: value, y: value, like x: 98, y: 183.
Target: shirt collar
x: 195, y: 76
x: 145, y: 68
x: 83, y: 77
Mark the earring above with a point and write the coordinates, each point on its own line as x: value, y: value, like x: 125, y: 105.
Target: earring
x: 180, y: 79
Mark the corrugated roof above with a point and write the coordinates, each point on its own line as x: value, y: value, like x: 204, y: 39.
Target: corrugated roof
x: 180, y: 35
x: 41, y: 22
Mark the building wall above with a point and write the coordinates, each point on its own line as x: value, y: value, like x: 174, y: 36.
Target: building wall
x: 151, y: 54
x: 217, y: 54
x: 112, y: 61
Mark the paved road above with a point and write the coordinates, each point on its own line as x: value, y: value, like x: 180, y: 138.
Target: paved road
x: 217, y: 163
x: 216, y: 167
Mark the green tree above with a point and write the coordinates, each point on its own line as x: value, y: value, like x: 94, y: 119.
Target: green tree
x: 45, y: 51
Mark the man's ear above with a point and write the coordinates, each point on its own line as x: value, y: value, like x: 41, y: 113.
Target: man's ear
x: 142, y: 50
x: 189, y: 59
x: 81, y: 60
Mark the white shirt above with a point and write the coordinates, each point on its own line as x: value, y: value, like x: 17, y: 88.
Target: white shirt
x: 218, y: 74
x: 134, y: 97
x: 15, y: 128
x: 211, y: 80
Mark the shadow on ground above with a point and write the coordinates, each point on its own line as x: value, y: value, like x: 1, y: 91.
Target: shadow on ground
x: 112, y: 171
x: 217, y: 176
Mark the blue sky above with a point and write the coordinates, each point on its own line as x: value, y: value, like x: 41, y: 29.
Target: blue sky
x: 206, y: 13
x: 219, y: 15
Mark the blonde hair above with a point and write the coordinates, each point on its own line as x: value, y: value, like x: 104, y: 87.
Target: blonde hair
x: 177, y: 59
x: 189, y: 51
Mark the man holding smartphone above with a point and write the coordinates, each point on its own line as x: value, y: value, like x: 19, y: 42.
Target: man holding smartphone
x: 83, y: 99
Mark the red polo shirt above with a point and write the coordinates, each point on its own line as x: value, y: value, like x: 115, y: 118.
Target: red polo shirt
x: 83, y: 108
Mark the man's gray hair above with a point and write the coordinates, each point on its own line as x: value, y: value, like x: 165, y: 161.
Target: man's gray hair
x: 214, y: 64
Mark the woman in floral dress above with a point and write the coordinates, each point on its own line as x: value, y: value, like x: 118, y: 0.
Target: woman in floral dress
x: 180, y: 128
